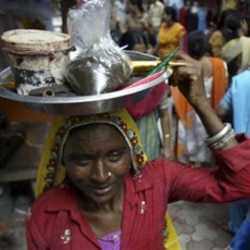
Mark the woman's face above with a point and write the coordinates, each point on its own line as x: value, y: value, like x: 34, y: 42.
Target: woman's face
x: 97, y: 159
x: 166, y: 17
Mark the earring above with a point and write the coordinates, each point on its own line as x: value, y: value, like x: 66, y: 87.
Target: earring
x: 109, y: 174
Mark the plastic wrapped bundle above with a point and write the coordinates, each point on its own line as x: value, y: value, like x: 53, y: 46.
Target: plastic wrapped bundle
x: 101, y: 66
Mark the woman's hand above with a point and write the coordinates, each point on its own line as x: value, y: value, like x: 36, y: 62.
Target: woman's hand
x: 188, y: 77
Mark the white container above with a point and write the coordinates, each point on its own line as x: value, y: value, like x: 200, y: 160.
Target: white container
x: 37, y: 57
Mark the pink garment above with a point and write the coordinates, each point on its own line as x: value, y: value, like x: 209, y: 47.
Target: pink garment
x: 111, y: 241
x: 55, y: 222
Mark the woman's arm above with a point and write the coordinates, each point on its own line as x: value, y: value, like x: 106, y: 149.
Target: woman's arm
x: 165, y: 120
x: 166, y: 150
x: 181, y: 43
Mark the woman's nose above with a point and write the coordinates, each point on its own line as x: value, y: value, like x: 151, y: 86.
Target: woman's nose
x: 100, y: 173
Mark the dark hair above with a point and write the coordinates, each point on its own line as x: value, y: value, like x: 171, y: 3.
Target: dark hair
x: 131, y: 38
x: 197, y: 44
x: 224, y: 14
x: 138, y: 3
x: 172, y: 12
x: 233, y: 23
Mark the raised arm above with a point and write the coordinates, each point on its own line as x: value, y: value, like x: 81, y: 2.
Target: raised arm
x: 189, y: 79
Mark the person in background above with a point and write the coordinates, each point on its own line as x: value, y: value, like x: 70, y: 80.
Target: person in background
x: 192, y: 17
x: 65, y: 6
x: 228, y: 4
x: 190, y: 146
x: 120, y: 13
x: 182, y: 13
x: 236, y: 51
x: 147, y: 112
x: 155, y: 14
x: 202, y: 17
x: 171, y: 33
x: 236, y: 102
x: 216, y: 39
x: 136, y: 18
x: 107, y: 191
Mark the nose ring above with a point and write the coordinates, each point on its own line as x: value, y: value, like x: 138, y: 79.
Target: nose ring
x: 109, y: 174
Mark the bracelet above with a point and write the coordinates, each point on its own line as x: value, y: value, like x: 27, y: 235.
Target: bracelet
x: 210, y: 140
x: 166, y: 136
x: 218, y: 145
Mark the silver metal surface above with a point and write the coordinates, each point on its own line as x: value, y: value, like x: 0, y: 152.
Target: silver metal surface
x: 83, y: 105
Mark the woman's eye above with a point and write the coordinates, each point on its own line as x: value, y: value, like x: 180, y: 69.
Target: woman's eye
x: 115, y: 156
x: 82, y: 161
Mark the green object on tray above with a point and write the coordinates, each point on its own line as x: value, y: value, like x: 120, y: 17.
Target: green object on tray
x: 162, y: 65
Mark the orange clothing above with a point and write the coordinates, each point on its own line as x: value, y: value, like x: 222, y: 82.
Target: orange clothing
x: 170, y: 37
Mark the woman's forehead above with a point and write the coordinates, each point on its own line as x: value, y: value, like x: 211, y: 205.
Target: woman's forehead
x: 95, y: 131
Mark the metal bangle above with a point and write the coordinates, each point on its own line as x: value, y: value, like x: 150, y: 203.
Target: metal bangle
x: 219, y: 135
x: 218, y: 145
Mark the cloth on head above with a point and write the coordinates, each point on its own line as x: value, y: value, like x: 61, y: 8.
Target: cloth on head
x: 235, y: 48
x: 51, y: 172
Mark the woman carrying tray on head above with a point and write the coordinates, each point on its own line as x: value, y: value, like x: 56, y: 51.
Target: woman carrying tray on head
x: 110, y: 193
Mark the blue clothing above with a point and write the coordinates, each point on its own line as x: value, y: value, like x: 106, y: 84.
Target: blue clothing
x: 238, y: 211
x: 241, y: 240
x: 237, y: 100
x: 202, y: 18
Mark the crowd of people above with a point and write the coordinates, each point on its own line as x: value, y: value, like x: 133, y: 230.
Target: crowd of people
x: 224, y: 53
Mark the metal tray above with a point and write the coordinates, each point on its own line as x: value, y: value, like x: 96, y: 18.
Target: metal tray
x: 83, y: 105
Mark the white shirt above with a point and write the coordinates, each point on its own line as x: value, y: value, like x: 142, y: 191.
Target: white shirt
x: 155, y: 13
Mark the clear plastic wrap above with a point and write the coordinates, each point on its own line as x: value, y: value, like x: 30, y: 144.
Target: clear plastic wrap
x: 101, y: 66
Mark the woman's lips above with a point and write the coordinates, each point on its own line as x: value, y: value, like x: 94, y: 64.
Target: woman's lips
x: 101, y: 191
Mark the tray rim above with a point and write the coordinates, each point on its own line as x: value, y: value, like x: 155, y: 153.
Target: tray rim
x: 8, y: 94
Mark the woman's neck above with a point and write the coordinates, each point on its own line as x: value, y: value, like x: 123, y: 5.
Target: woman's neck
x: 170, y: 23
x: 88, y: 205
